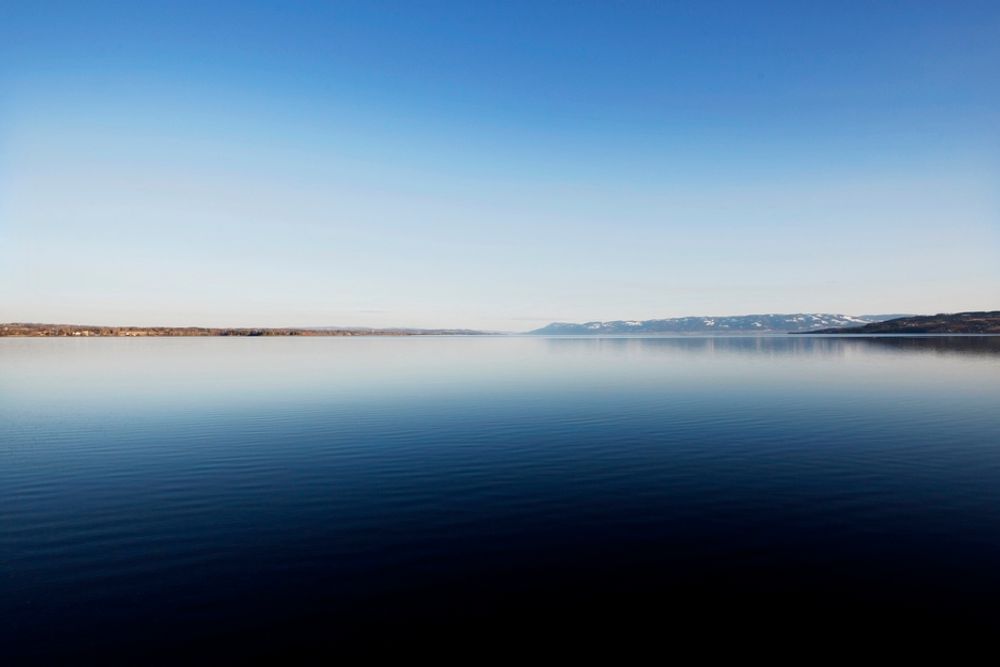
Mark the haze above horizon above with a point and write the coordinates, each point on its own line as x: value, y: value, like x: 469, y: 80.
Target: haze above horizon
x: 495, y: 165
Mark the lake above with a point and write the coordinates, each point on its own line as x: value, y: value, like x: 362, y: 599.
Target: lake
x: 264, y: 496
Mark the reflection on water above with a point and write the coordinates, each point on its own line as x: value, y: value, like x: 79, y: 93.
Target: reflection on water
x: 974, y: 345
x: 786, y: 345
x: 254, y: 495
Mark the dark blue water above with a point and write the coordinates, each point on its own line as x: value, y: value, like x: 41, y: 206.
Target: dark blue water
x: 233, y: 498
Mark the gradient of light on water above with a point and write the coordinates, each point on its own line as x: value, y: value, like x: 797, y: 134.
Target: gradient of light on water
x: 163, y: 492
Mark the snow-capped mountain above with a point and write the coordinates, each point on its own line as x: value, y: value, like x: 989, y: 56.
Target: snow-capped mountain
x: 734, y: 324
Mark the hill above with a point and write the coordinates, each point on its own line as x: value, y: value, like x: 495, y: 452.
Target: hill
x: 977, y: 322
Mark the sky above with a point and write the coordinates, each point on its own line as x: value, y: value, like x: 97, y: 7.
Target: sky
x: 495, y: 165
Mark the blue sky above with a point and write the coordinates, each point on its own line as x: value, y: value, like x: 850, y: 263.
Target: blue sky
x: 496, y: 165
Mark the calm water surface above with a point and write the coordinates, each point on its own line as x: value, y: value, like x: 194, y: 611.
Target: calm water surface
x: 240, y: 496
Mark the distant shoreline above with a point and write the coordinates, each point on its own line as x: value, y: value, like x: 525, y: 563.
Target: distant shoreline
x: 967, y: 323
x: 36, y: 330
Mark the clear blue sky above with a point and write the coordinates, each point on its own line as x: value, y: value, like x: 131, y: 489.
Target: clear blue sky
x: 495, y: 165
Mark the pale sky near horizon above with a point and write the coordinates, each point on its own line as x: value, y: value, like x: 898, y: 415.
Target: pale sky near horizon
x: 495, y: 165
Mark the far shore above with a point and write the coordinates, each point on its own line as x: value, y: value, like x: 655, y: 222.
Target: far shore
x: 33, y: 330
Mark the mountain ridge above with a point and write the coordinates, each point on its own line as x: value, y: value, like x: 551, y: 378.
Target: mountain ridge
x: 729, y: 324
